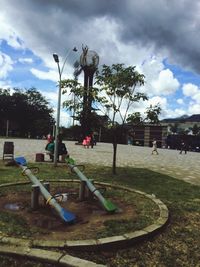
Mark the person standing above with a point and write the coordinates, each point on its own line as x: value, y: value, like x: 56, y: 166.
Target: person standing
x: 183, y: 147
x: 154, y: 147
x: 92, y: 140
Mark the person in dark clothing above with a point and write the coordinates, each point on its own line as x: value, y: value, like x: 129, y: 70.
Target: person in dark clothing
x: 92, y: 140
x: 183, y: 147
x: 62, y: 150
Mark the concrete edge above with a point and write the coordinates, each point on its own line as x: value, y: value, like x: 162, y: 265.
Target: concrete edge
x: 47, y: 256
x: 102, y: 243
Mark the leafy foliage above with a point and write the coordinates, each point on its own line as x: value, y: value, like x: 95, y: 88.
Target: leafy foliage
x: 195, y: 129
x: 27, y: 111
x: 151, y: 117
x: 118, y: 84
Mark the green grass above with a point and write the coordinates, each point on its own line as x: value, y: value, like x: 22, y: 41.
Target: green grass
x: 178, y: 245
x: 145, y: 210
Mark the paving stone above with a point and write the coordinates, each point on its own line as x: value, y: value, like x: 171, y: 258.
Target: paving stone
x: 81, y: 243
x: 14, y: 250
x: 136, y: 234
x: 162, y: 220
x: 45, y: 255
x: 48, y: 243
x: 16, y: 241
x: 175, y: 164
x: 111, y: 240
x: 164, y: 213
x: 76, y: 262
x: 152, y: 228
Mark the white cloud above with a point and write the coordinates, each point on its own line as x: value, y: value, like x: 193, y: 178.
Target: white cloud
x: 194, y: 109
x: 151, y: 67
x: 190, y: 89
x: 173, y: 113
x: 158, y: 80
x: 180, y: 101
x: 51, y: 75
x: 65, y: 119
x: 196, y: 97
x: 193, y: 92
x: 5, y: 84
x: 165, y: 84
x: 25, y: 60
x: 52, y: 97
x: 162, y: 101
x: 5, y: 65
x: 104, y: 34
x: 9, y: 34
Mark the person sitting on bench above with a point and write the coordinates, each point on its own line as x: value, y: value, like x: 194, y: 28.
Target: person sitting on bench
x: 62, y: 150
x: 50, y: 148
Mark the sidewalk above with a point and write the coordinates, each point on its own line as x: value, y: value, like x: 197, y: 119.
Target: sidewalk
x: 170, y: 162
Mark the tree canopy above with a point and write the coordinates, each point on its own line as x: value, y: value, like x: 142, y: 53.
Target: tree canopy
x: 114, y: 94
x: 27, y: 111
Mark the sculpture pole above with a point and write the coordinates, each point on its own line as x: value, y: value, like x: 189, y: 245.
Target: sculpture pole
x: 89, y: 61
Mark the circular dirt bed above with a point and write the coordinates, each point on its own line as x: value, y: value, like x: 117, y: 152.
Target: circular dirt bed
x: 18, y: 219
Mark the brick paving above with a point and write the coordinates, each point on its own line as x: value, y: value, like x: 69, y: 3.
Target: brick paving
x: 170, y: 162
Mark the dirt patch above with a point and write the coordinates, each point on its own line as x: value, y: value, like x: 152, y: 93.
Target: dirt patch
x: 90, y: 215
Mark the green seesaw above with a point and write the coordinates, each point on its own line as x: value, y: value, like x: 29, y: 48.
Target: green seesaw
x: 106, y: 204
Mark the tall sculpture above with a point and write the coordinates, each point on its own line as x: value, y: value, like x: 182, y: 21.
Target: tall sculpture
x: 89, y: 61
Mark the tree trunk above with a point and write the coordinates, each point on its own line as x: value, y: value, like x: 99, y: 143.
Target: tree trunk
x: 114, y: 157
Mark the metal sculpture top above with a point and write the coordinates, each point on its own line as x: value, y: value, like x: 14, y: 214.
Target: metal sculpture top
x: 89, y: 58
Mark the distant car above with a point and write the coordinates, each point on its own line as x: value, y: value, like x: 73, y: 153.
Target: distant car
x: 195, y: 148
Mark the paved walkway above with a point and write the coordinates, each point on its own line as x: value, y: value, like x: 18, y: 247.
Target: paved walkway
x: 170, y: 162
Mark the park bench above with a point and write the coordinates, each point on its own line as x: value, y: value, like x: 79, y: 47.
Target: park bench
x: 8, y: 150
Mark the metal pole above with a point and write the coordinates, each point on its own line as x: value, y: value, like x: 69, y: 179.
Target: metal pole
x: 58, y: 118
x: 7, y: 128
x: 60, y: 71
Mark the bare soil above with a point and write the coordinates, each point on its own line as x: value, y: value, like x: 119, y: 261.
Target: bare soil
x: 90, y: 215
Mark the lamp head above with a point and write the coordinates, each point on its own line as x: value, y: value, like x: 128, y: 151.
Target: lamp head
x: 56, y: 58
x: 75, y: 49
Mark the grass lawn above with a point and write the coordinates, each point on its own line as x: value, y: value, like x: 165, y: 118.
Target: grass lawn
x: 177, y: 245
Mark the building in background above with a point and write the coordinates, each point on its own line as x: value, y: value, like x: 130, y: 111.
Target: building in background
x: 143, y: 135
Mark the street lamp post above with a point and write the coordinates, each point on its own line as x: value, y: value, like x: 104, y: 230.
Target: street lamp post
x: 60, y: 71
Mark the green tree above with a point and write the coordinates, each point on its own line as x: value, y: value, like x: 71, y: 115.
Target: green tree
x: 114, y: 95
x: 195, y: 129
x: 174, y: 128
x: 118, y: 83
x: 75, y: 103
x: 135, y: 118
x: 152, y: 114
x: 28, y: 110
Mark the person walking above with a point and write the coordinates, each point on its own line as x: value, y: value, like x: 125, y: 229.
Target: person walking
x: 154, y: 147
x: 183, y: 147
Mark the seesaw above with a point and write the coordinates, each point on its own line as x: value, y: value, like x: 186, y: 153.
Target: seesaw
x: 105, y: 203
x: 64, y: 214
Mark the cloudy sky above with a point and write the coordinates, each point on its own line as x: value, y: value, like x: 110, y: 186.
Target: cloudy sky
x: 161, y: 38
